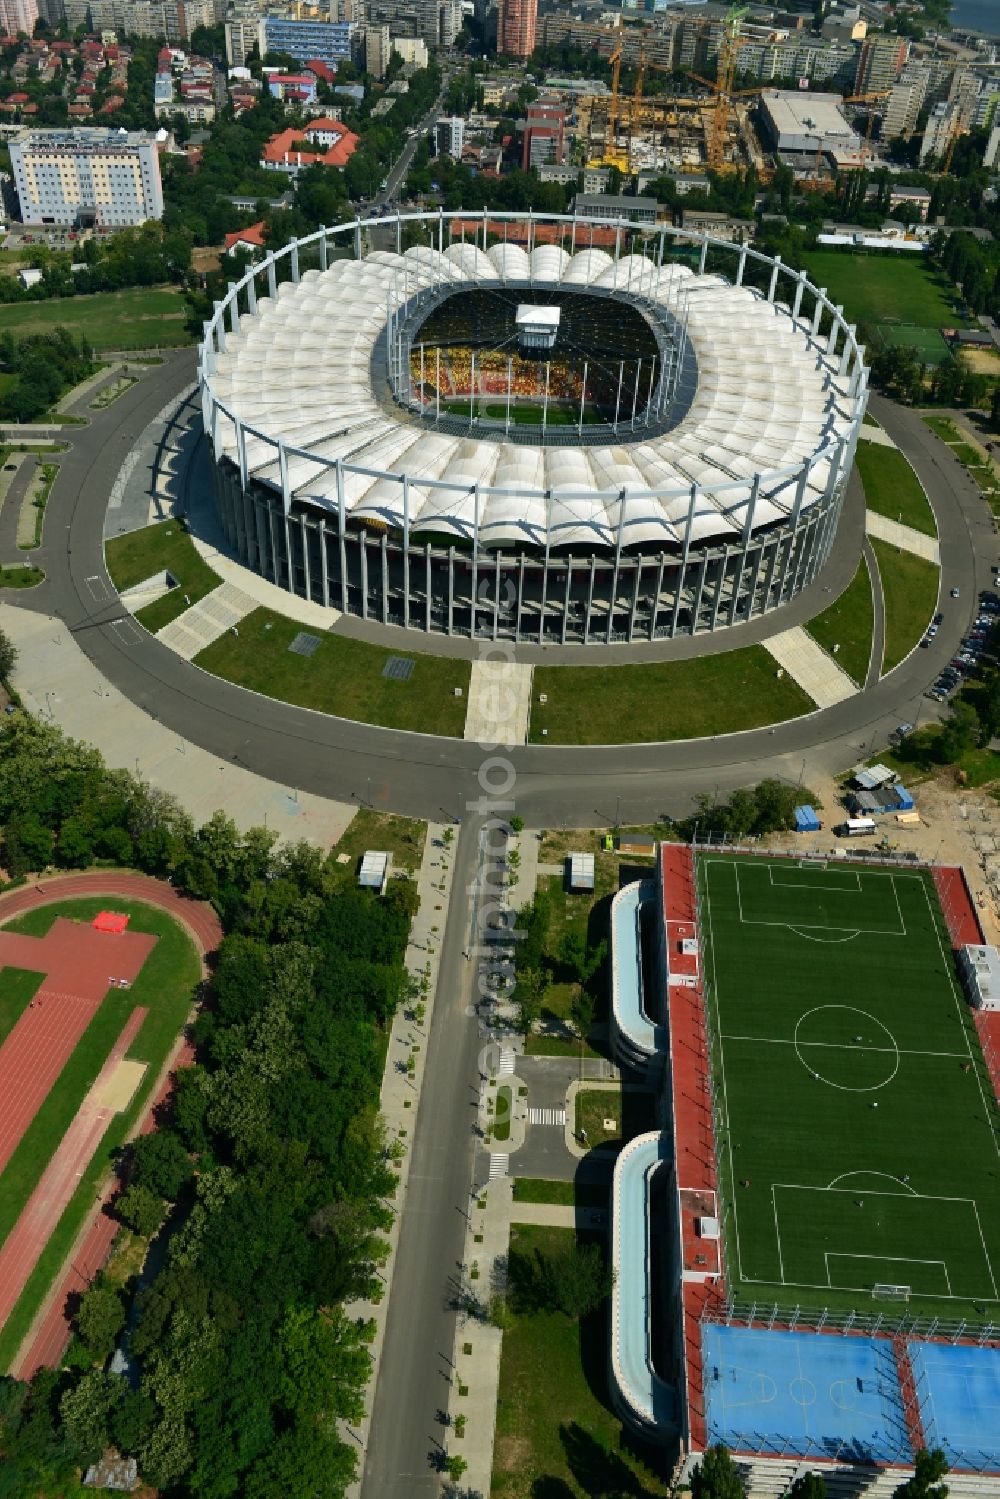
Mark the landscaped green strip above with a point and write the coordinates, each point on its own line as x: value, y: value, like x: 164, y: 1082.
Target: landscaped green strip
x: 342, y: 676
x: 892, y: 488
x: 556, y: 1430
x: 976, y: 464
x: 537, y: 1045
x: 18, y: 986
x: 845, y: 628
x: 558, y: 1194
x: 910, y: 589
x: 873, y: 288
x: 504, y: 1109
x: 166, y: 546
x: 139, y: 318
x: 20, y: 577
x: 165, y: 987
x: 706, y: 695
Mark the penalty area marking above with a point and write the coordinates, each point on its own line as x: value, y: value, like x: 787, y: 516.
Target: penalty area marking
x: 802, y: 927
x: 884, y: 1259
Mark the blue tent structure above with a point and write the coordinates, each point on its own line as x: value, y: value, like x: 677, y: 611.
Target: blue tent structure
x: 806, y: 820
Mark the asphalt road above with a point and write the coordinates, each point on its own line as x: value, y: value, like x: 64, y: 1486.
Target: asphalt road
x: 406, y: 1436
x: 422, y: 775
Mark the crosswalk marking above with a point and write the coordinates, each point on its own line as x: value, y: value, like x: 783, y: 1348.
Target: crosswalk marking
x: 498, y: 1166
x: 506, y: 1061
x: 547, y: 1116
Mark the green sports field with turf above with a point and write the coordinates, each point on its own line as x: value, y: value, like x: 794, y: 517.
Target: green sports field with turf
x: 858, y: 1135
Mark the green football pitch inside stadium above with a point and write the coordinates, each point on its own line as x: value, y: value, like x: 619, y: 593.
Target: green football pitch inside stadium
x: 858, y: 1134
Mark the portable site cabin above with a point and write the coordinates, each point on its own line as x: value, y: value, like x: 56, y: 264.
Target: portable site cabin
x: 858, y: 827
x: 806, y: 820
x: 374, y: 871
x: 579, y: 872
x: 980, y: 970
x: 637, y: 843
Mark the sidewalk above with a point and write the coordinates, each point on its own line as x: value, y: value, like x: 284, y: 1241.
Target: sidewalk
x: 57, y: 681
x: 904, y: 537
x: 401, y: 1083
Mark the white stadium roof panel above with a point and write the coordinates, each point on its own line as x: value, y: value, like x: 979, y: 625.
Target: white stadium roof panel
x: 300, y: 370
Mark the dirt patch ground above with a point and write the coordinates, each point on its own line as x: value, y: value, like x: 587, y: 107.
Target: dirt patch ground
x: 115, y: 1093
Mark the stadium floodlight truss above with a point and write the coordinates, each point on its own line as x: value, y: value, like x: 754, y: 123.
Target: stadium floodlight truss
x: 713, y: 495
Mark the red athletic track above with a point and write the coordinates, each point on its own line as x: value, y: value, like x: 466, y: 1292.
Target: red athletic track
x: 24, y: 1244
x: 694, y: 1143
x: 964, y: 928
x: 52, y: 1333
x: 79, y: 964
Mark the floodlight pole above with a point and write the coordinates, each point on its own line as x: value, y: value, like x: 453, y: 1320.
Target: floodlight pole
x: 635, y: 390
x: 421, y: 375
x: 583, y: 395
x: 510, y: 376
x: 545, y: 399
x: 618, y: 397
x: 649, y: 397
x: 472, y: 388
x: 437, y: 384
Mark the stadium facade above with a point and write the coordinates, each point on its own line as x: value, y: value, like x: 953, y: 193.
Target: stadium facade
x: 698, y: 484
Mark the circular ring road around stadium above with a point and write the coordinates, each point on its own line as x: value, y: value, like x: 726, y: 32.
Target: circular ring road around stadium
x: 429, y: 777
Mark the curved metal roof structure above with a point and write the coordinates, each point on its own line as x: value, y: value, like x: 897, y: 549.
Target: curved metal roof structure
x: 291, y: 399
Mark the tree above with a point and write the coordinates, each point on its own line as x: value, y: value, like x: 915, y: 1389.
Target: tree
x: 995, y: 409
x: 160, y: 1163
x: 456, y: 1466
x: 141, y: 1210
x: 576, y: 1281
x: 809, y: 1486
x: 8, y: 656
x: 716, y: 1476
x: 100, y: 1319
x: 87, y: 1410
x: 929, y: 1469
x: 960, y: 733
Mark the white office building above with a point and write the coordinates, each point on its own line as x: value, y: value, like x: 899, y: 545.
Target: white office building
x: 95, y: 176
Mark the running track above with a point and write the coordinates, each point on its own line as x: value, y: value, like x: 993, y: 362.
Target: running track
x: 24, y: 1244
x: 51, y: 1333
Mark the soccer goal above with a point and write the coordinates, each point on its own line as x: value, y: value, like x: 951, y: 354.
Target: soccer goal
x: 890, y: 1293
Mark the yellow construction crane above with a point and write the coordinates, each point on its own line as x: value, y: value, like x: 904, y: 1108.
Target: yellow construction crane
x: 722, y: 89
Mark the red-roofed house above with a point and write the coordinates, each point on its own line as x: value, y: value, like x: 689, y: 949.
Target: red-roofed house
x: 288, y: 151
x: 17, y: 98
x: 321, y: 70
x: 251, y: 238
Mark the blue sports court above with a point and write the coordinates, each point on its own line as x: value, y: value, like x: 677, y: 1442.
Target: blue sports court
x: 804, y: 1394
x: 958, y: 1391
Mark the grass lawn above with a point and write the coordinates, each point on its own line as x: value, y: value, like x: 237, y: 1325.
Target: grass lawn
x: 343, y: 676
x: 910, y: 586
x: 20, y: 577
x: 892, y: 488
x: 556, y: 1432
x: 848, y: 623
x: 140, y: 318
x: 917, y: 758
x: 402, y: 837
x: 537, y: 1045
x: 502, y: 1113
x: 559, y: 1194
x: 872, y: 288
x: 665, y: 700
x: 582, y: 915
x: 559, y: 414
x: 17, y: 987
x: 138, y: 555
x: 826, y: 1197
x: 976, y: 464
x: 165, y: 986
x: 595, y: 1108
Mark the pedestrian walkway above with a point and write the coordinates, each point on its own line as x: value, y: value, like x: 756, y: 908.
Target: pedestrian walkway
x: 498, y: 1166
x: 507, y: 1062
x: 205, y: 621
x: 499, y: 703
x: 401, y: 1089
x: 808, y: 664
x: 58, y: 682
x: 543, y: 1214
x: 877, y: 435
x: 547, y: 1116
x: 904, y: 537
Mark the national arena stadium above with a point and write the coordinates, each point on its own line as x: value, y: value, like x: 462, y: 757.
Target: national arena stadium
x: 531, y: 428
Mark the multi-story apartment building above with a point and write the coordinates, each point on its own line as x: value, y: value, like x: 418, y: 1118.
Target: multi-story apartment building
x: 544, y: 140
x: 944, y: 123
x: 412, y: 49
x: 516, y: 24
x: 449, y: 134
x: 106, y: 177
x: 329, y: 41
x: 377, y: 49
x: 18, y: 15
x: 880, y: 63
x: 903, y: 107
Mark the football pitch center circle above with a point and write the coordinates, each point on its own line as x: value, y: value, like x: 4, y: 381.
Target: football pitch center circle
x: 844, y: 1031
